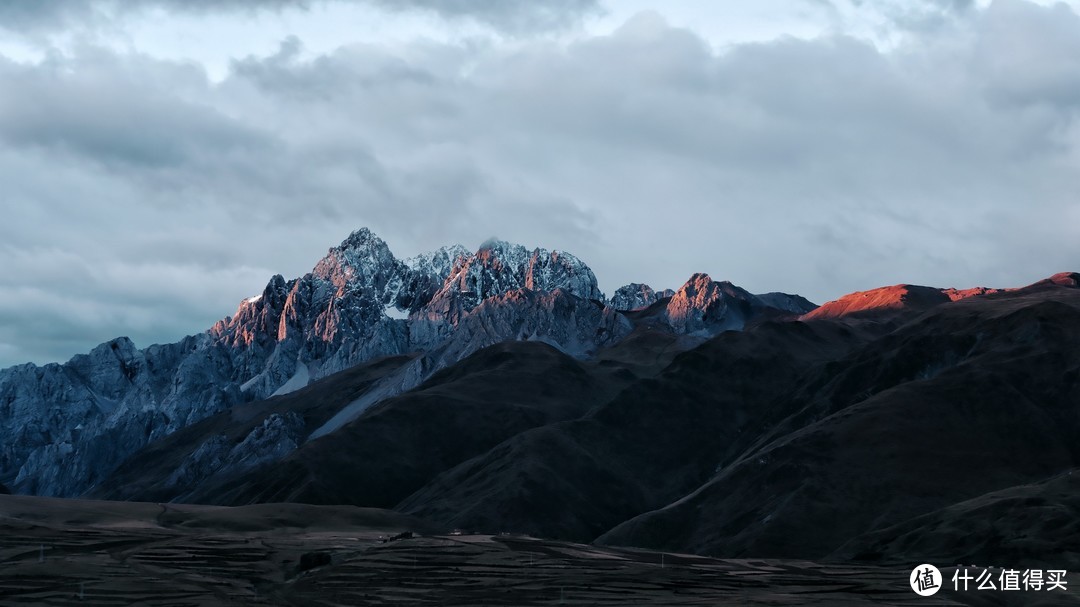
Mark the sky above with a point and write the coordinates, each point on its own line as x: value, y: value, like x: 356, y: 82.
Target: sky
x: 160, y: 160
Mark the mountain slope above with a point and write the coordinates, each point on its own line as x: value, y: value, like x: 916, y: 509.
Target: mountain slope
x: 1033, y: 525
x: 842, y: 436
x: 973, y: 396
x: 67, y: 426
x: 816, y: 439
x: 655, y: 441
x: 887, y: 302
x: 239, y: 440
x: 397, y: 446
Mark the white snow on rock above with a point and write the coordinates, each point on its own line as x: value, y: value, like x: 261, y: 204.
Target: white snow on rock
x: 297, y: 381
x: 65, y: 427
x: 393, y: 312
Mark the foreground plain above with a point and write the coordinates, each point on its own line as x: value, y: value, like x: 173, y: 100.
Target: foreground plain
x: 81, y: 552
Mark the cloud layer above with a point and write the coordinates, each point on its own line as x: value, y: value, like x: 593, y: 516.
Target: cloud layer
x: 143, y: 199
x: 509, y: 16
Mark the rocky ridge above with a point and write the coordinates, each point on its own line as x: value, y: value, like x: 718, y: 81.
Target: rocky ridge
x: 67, y: 426
x: 636, y: 296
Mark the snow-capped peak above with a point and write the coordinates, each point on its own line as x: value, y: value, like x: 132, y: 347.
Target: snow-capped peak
x: 498, y: 267
x: 636, y: 296
x: 439, y: 261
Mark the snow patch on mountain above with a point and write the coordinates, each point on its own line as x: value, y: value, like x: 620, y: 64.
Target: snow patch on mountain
x: 297, y: 381
x: 63, y: 428
x: 393, y: 312
x: 570, y: 323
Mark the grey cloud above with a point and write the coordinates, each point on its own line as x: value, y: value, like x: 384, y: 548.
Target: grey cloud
x: 511, y: 16
x: 514, y: 16
x: 1030, y: 55
x: 117, y: 110
x: 818, y: 166
x: 347, y: 71
x: 23, y: 15
x: 918, y: 16
x: 19, y: 15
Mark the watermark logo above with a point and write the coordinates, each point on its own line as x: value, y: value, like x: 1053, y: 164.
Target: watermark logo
x: 925, y: 580
x: 1028, y: 580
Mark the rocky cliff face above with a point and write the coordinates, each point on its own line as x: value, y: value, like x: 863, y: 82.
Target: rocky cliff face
x: 65, y: 427
x: 498, y: 267
x: 705, y: 307
x: 636, y: 296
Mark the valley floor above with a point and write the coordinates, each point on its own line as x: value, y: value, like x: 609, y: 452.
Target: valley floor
x: 80, y: 552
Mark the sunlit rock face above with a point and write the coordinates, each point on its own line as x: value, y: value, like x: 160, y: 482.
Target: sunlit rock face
x: 703, y: 305
x: 63, y: 428
x: 893, y: 299
x: 498, y: 267
x: 424, y: 276
x: 636, y: 296
x: 66, y: 426
x: 706, y: 307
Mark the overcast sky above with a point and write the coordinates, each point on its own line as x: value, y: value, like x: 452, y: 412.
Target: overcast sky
x: 161, y: 159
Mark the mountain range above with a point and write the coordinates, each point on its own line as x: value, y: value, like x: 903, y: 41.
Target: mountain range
x: 67, y: 426
x: 500, y: 390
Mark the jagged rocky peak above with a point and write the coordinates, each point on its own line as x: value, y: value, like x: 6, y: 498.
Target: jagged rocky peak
x: 498, y: 267
x: 424, y: 275
x: 704, y: 306
x: 441, y: 261
x: 702, y: 291
x: 257, y: 318
x: 361, y: 261
x: 548, y: 271
x: 636, y: 296
x: 110, y: 368
x: 65, y: 426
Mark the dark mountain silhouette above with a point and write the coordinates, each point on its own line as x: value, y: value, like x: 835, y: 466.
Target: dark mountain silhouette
x: 883, y: 433
x: 67, y: 427
x: 968, y: 398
